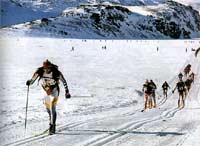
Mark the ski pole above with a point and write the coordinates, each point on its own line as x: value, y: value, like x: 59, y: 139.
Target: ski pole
x: 26, y: 107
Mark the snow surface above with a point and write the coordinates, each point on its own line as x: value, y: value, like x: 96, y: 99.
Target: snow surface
x: 106, y: 92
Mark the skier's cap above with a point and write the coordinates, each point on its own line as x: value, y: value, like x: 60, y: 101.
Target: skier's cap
x: 46, y: 63
x: 180, y: 74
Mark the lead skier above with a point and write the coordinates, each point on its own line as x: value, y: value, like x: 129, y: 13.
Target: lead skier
x: 50, y: 76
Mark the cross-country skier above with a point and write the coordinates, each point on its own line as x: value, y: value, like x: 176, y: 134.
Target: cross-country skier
x: 147, y: 89
x: 197, y: 51
x: 187, y: 70
x: 165, y: 87
x: 189, y: 81
x: 154, y: 87
x: 182, y: 90
x: 50, y: 76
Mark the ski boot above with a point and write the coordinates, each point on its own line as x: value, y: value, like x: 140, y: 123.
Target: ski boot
x: 51, y: 129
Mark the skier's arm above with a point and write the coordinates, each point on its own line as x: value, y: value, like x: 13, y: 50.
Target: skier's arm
x: 155, y: 86
x: 174, y: 89
x: 32, y: 80
x: 61, y: 77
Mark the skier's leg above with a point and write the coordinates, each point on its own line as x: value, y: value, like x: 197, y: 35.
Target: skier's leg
x: 145, y: 100
x: 154, y: 102
x: 47, y: 102
x: 54, y: 114
x: 154, y: 99
x: 150, y: 101
x: 179, y: 100
x: 183, y: 99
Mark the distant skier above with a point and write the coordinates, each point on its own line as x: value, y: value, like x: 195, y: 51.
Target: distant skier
x: 197, y: 51
x: 187, y: 70
x: 154, y: 87
x: 182, y: 90
x: 189, y: 81
x: 165, y: 87
x: 72, y: 48
x: 147, y: 89
x: 104, y: 47
x: 50, y: 76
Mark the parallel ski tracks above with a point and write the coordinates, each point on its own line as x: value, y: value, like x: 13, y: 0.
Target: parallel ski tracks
x: 111, y: 135
x: 130, y: 127
x: 41, y: 135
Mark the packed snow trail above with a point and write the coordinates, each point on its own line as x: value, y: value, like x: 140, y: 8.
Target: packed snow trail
x: 106, y: 108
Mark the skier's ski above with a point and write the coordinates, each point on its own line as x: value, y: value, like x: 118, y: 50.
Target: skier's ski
x: 42, y: 133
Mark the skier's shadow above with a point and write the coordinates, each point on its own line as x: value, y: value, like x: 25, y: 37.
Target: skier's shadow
x: 122, y: 132
x: 140, y: 93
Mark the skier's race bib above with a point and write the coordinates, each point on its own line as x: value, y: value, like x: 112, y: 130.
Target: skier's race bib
x: 47, y: 80
x: 181, y: 88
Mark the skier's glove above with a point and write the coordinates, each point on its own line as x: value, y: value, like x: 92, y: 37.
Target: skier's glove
x: 67, y: 95
x: 28, y: 83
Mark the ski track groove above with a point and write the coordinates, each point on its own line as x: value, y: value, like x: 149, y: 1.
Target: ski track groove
x: 132, y: 126
x: 166, y: 114
x: 38, y: 137
x: 42, y: 136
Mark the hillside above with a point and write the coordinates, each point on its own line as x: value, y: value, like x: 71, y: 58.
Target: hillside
x: 102, y: 20
x: 167, y: 20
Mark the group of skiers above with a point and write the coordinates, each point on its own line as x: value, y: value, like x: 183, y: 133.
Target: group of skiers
x: 149, y: 88
x: 183, y: 87
x: 50, y: 76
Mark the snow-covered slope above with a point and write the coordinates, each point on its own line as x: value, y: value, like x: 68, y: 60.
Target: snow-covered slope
x: 19, y: 11
x: 106, y: 92
x: 194, y: 3
x: 12, y: 13
x: 158, y: 21
x: 59, y: 5
x: 168, y: 20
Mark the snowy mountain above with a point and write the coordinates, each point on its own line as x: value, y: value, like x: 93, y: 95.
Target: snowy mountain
x: 167, y: 20
x: 194, y: 3
x: 129, y: 19
x: 14, y: 13
x: 59, y: 5
x: 19, y: 11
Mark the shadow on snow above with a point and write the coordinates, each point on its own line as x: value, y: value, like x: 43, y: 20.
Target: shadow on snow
x: 122, y: 132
